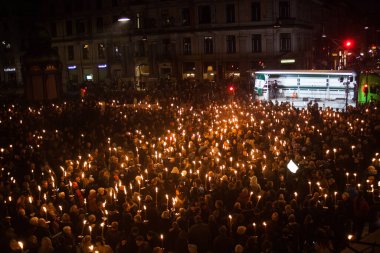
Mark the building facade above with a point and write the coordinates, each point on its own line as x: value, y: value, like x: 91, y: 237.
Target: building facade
x: 171, y: 40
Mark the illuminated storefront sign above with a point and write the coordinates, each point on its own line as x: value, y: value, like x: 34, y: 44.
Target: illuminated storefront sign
x: 9, y: 69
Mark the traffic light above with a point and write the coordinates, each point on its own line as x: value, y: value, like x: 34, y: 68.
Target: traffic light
x: 348, y: 44
x: 365, y: 89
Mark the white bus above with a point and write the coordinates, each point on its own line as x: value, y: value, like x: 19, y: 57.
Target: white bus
x: 335, y: 88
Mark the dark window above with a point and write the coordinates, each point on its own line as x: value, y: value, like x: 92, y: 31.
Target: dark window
x: 188, y: 66
x: 285, y: 42
x: 167, y: 20
x: 68, y: 8
x: 114, y: 19
x: 232, y: 66
x: 99, y: 4
x: 204, y: 14
x: 86, y: 52
x: 69, y: 28
x: 116, y: 52
x: 209, y: 45
x: 141, y: 48
x: 89, y: 26
x: 185, y: 16
x: 70, y: 53
x: 79, y: 5
x: 52, y: 9
x: 101, y: 51
x: 166, y: 46
x: 187, y: 46
x: 53, y: 29
x: 231, y: 44
x: 256, y: 43
x: 99, y: 25
x: 284, y: 9
x: 255, y: 11
x: 230, y: 13
x: 80, y: 26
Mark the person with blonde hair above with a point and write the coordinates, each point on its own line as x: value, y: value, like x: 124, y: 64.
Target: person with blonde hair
x: 85, y: 244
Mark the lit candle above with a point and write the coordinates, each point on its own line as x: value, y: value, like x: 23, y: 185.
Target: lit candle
x: 156, y: 189
x: 84, y: 225
x: 355, y: 177
x: 167, y: 201
x: 258, y: 200
x: 347, y: 175
x: 334, y: 154
x: 335, y: 193
x: 102, y: 225
x: 162, y: 240
x: 21, y: 246
x: 230, y: 221
x: 45, y: 211
x: 309, y: 187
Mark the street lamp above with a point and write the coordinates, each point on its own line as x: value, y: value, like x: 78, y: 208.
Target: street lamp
x: 123, y: 17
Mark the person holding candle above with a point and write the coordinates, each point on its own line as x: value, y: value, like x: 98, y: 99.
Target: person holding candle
x: 85, y: 244
x: 101, y: 246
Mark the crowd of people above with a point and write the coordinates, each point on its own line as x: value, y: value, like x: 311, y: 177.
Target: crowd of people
x: 107, y: 176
